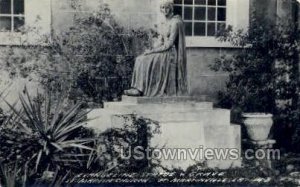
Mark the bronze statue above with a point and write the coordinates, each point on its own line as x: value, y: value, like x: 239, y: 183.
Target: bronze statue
x: 162, y: 71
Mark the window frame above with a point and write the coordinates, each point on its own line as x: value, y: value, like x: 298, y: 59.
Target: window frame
x: 237, y: 15
x: 37, y: 14
x: 215, y: 21
x: 12, y: 16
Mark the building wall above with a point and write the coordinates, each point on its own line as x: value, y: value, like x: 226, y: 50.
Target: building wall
x: 59, y: 15
x: 202, y: 80
x: 129, y: 13
x: 145, y: 13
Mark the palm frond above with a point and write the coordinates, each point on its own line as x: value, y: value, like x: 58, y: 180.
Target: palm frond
x: 39, y: 156
x: 63, y: 133
x: 80, y: 146
x: 57, y: 111
x: 57, y: 146
x: 55, y: 129
x: 47, y: 110
x: 69, y: 115
x: 59, y: 180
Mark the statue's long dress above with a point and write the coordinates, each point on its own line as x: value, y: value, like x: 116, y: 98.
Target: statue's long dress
x: 164, y: 73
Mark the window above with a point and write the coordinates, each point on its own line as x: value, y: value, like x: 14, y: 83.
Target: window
x: 202, y: 17
x: 18, y: 14
x: 12, y: 16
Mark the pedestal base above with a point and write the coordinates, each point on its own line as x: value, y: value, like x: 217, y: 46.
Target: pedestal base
x: 190, y: 127
x: 262, y: 147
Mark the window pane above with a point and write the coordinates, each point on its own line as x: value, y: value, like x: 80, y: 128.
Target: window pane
x: 200, y: 2
x: 5, y: 24
x: 188, y: 2
x: 222, y: 2
x: 178, y: 2
x: 5, y: 6
x: 199, y: 29
x: 200, y: 13
x: 188, y: 29
x: 178, y: 10
x: 18, y: 6
x: 211, y: 29
x: 188, y: 13
x: 221, y: 14
x: 211, y: 2
x: 211, y: 14
x: 18, y: 23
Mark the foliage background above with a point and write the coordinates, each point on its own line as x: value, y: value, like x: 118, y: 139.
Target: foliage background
x: 264, y: 76
x: 93, y: 59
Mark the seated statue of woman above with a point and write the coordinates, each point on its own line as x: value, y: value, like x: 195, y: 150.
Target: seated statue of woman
x: 162, y: 71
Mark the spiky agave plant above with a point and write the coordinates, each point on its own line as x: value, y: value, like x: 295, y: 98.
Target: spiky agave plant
x: 55, y: 130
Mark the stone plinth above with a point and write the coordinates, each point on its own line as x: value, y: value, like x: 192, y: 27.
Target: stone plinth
x: 188, y: 124
x: 151, y: 100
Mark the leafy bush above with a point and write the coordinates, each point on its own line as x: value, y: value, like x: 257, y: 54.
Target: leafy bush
x: 93, y: 59
x: 101, y: 55
x: 263, y: 74
x: 136, y: 131
x: 257, y: 70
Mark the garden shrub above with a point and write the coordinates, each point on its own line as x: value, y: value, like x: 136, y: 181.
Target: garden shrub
x: 136, y: 131
x: 263, y: 74
x: 93, y: 59
x: 44, y: 135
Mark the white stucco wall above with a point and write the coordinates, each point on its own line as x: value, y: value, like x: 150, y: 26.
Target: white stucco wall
x: 129, y: 13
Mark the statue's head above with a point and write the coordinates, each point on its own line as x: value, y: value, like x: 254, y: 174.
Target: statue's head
x: 167, y: 7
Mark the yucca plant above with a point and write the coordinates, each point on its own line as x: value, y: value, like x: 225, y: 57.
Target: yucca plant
x: 54, y: 129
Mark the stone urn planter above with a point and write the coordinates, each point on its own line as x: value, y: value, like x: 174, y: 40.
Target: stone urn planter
x: 258, y: 125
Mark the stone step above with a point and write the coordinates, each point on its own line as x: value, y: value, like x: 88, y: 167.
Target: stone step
x: 187, y: 123
x: 106, y: 118
x: 158, y: 108
x: 207, y: 117
x: 151, y: 100
x: 191, y: 136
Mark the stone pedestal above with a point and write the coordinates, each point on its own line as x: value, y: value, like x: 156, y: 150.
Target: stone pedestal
x: 189, y: 127
x: 265, y: 147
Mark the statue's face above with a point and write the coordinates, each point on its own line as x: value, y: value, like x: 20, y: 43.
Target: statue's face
x: 166, y: 9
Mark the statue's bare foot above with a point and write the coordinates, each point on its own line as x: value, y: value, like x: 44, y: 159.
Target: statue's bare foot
x: 133, y: 92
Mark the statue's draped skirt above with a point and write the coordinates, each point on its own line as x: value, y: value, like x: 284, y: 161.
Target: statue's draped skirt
x: 155, y: 74
x: 164, y: 73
